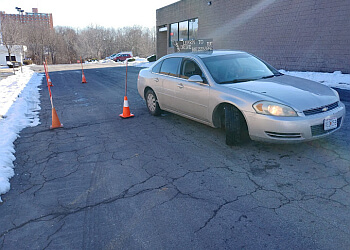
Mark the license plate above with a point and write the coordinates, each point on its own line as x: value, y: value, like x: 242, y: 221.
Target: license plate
x: 330, y: 124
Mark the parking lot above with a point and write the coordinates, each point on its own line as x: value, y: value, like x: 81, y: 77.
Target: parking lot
x: 166, y: 182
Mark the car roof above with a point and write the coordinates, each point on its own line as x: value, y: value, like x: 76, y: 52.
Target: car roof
x: 205, y: 54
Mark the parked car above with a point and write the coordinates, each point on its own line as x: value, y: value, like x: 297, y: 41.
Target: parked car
x: 152, y: 58
x: 13, y: 64
x: 243, y: 94
x: 111, y: 57
x: 122, y: 56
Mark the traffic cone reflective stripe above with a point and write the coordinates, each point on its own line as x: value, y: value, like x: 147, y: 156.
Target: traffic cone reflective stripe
x: 55, y: 121
x: 49, y: 80
x: 126, y: 109
x: 126, y: 103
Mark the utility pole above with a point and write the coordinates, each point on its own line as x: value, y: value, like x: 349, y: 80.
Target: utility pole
x: 20, y: 12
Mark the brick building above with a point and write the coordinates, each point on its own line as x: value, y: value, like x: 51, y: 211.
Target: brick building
x: 30, y: 17
x: 303, y: 35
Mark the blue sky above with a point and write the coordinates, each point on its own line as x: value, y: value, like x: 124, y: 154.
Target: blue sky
x: 80, y: 14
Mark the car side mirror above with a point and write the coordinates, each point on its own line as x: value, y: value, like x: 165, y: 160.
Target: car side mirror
x: 196, y: 78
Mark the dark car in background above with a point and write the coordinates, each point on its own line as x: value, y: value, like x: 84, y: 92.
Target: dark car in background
x: 13, y: 64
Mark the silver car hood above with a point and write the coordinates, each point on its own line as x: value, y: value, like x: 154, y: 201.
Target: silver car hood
x: 301, y: 94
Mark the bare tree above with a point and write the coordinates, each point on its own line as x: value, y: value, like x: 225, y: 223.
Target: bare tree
x: 91, y: 40
x: 98, y: 42
x: 139, y: 40
x: 148, y: 44
x: 38, y: 41
x: 11, y: 33
x: 109, y: 42
x: 53, y: 45
x: 67, y: 45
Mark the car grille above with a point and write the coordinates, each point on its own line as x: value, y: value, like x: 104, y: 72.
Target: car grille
x: 283, y: 135
x: 320, y: 109
x: 319, y: 129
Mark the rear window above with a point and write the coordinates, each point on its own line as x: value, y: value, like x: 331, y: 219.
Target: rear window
x: 156, y: 68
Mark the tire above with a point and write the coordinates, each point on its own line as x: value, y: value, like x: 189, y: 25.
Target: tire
x: 235, y: 126
x: 152, y: 103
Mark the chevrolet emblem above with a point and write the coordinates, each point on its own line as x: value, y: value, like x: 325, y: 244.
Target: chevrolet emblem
x: 325, y: 109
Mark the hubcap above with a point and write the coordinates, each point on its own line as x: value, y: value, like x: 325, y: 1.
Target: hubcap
x: 151, y: 102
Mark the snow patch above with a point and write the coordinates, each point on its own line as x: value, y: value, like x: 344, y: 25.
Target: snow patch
x: 336, y: 79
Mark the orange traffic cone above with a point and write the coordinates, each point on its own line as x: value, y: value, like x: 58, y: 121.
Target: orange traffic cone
x: 55, y: 121
x: 82, y: 71
x: 126, y: 109
x: 83, y: 79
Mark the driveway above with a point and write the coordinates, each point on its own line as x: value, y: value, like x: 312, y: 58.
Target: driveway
x: 103, y: 182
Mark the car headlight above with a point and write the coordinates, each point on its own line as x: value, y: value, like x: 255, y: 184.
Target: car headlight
x: 336, y: 93
x: 272, y: 108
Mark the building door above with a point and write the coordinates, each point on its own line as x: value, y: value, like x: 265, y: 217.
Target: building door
x: 162, y: 38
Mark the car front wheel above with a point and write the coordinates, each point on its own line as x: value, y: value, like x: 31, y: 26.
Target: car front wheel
x: 152, y: 103
x: 235, y: 126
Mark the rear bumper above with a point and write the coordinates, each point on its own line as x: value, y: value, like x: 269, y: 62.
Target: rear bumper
x: 292, y: 129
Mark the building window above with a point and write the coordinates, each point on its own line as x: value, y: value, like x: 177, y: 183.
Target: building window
x: 174, y: 33
x: 182, y: 31
x: 192, y: 29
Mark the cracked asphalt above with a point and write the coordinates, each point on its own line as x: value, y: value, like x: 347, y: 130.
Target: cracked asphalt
x: 103, y: 182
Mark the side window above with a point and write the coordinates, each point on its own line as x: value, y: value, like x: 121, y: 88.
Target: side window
x: 189, y: 68
x: 156, y: 68
x: 170, y: 66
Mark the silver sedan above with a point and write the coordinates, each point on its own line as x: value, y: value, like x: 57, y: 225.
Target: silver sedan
x: 241, y: 93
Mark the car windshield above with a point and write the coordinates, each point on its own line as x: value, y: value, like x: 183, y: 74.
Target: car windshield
x: 236, y: 68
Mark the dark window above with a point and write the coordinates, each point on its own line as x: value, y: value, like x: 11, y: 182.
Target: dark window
x: 13, y: 58
x: 174, y: 33
x: 183, y: 31
x: 239, y: 67
x: 189, y: 68
x: 192, y: 29
x: 170, y: 66
x: 156, y: 68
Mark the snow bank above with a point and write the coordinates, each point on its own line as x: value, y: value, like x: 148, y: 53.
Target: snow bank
x: 335, y: 79
x: 19, y: 103
x: 11, y: 87
x: 139, y: 62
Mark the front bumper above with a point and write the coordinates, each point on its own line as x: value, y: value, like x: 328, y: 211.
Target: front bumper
x: 292, y: 129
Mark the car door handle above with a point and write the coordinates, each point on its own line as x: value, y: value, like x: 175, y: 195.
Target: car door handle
x: 156, y: 79
x: 180, y: 85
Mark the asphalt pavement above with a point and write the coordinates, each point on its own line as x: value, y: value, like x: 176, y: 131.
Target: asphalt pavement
x: 103, y: 182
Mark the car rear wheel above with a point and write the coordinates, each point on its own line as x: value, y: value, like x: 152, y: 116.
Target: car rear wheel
x: 152, y: 103
x: 235, y: 126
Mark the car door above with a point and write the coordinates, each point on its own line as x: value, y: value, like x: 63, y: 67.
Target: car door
x: 191, y: 98
x: 167, y: 79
